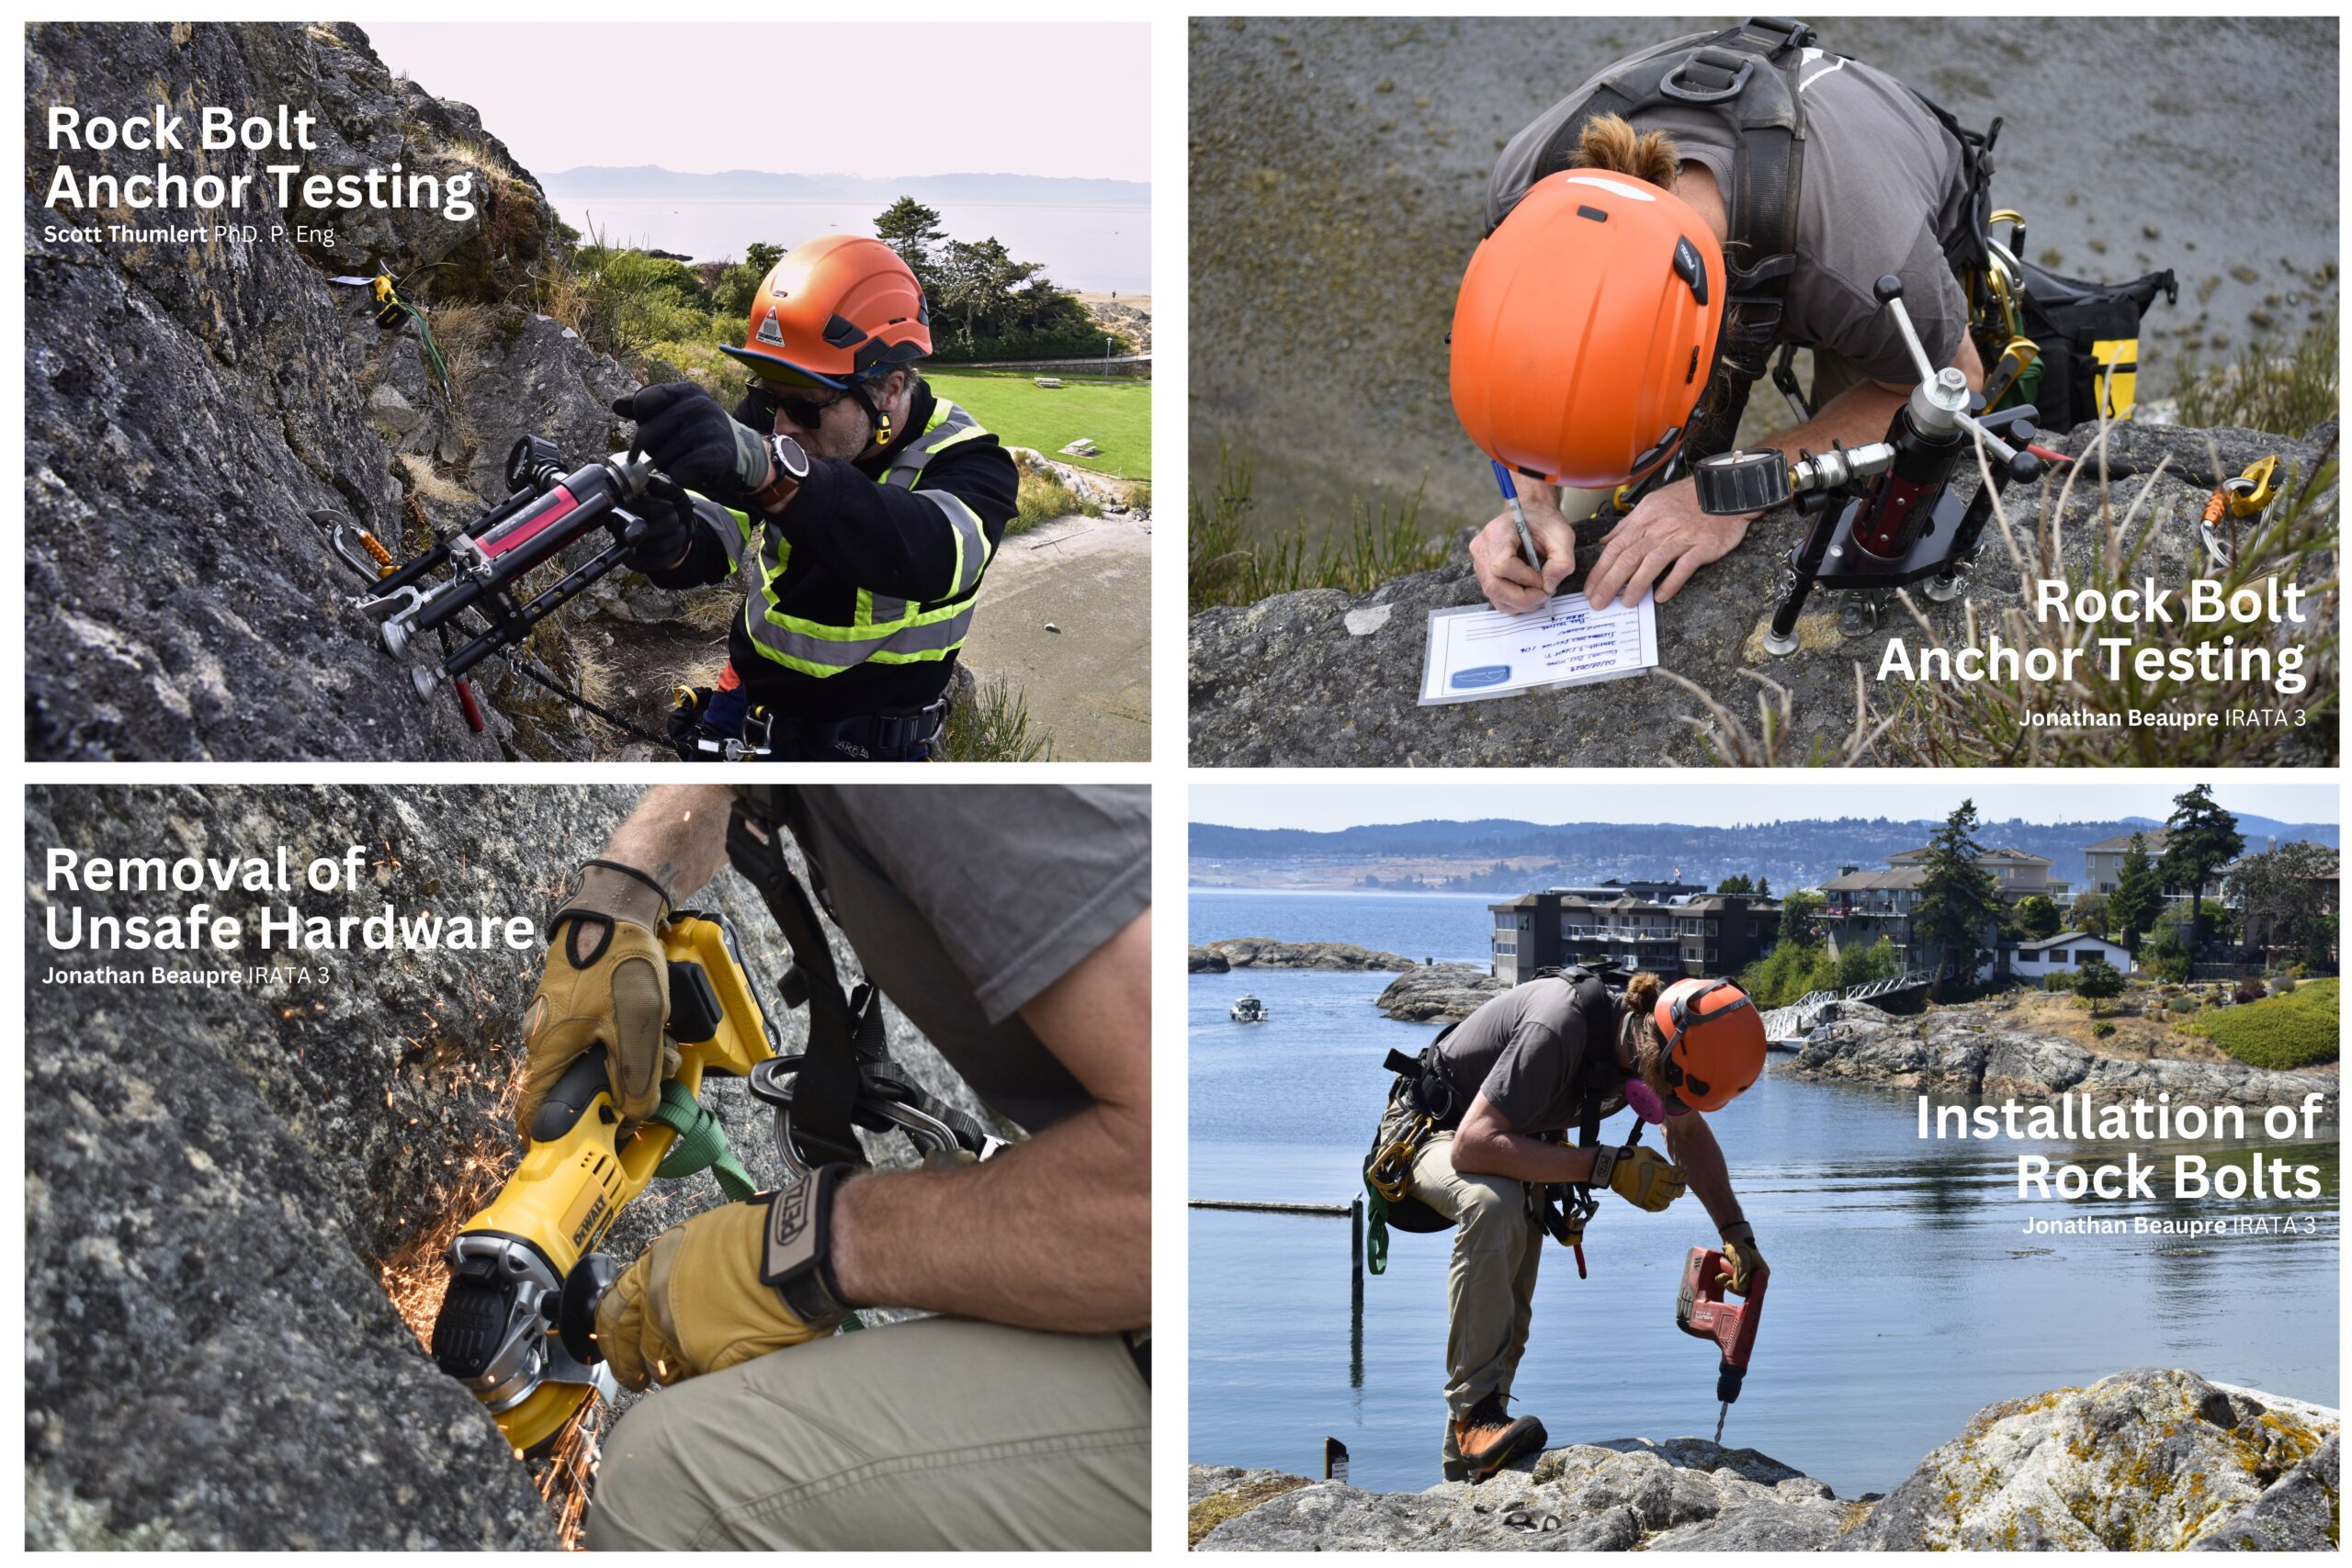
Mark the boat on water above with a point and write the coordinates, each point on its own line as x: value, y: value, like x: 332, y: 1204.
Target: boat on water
x: 1249, y: 1009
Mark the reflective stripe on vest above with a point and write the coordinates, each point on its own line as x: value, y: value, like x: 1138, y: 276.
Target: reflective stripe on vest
x: 884, y: 630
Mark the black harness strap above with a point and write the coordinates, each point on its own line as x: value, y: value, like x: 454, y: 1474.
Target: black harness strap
x: 1748, y: 75
x: 845, y: 1067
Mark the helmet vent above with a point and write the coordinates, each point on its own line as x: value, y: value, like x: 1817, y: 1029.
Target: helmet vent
x: 1690, y: 268
x: 840, y: 332
x: 1592, y: 212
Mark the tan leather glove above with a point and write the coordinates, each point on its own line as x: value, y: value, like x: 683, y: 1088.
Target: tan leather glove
x: 1740, y: 1251
x: 606, y: 984
x: 1644, y: 1177
x: 693, y: 1302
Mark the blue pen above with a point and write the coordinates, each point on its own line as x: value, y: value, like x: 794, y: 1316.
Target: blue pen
x: 1511, y: 494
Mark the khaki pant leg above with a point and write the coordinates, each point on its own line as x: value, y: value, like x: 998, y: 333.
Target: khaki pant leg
x: 935, y: 1434
x: 1522, y: 1292
x: 1491, y: 1241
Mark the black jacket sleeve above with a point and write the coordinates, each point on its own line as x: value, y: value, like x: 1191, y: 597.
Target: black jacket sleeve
x: 890, y: 540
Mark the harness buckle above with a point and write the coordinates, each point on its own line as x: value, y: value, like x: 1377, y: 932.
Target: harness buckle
x: 1719, y: 62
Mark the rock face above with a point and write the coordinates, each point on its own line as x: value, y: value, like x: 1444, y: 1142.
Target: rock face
x: 188, y: 404
x: 2145, y: 1459
x: 2148, y: 1460
x: 1966, y: 1051
x: 231, y: 1178
x: 1437, y: 992
x: 1201, y: 960
x: 1630, y: 1493
x: 1109, y: 494
x: 1262, y: 953
x: 1324, y: 678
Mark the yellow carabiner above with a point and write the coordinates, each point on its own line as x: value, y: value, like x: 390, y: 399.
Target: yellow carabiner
x: 2252, y: 492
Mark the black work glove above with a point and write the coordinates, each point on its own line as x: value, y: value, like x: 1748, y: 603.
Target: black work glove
x: 692, y: 439
x: 669, y: 520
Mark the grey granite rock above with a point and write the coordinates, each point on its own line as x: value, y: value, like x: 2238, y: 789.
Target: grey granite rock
x: 1263, y: 953
x: 228, y: 1177
x: 1971, y: 1050
x: 1626, y: 1495
x: 2300, y: 1512
x: 1318, y: 679
x: 2147, y: 1459
x: 1439, y: 992
x: 189, y: 404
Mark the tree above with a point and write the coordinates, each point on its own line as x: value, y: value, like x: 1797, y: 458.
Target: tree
x: 2096, y: 981
x: 2204, y: 838
x: 732, y: 291
x: 2138, y: 895
x: 1959, y: 900
x: 2165, y: 953
x: 2087, y: 913
x: 2282, y: 899
x: 1858, y: 965
x: 1782, y: 976
x: 912, y: 230
x: 1800, y: 919
x: 2036, y: 917
x: 1763, y: 888
x: 1736, y: 886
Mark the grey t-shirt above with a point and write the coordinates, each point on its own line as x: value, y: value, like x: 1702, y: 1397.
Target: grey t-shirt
x: 1522, y: 1050
x: 964, y: 902
x: 1882, y: 192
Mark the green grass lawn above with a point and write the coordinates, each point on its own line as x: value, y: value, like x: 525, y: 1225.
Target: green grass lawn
x: 1116, y: 415
x: 2296, y: 1030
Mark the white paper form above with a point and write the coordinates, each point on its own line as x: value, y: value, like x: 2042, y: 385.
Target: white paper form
x: 1476, y: 652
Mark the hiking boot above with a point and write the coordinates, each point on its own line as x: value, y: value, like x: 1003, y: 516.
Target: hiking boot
x: 1488, y: 1438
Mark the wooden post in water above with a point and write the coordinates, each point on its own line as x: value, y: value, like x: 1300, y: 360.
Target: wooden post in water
x: 1355, y: 1235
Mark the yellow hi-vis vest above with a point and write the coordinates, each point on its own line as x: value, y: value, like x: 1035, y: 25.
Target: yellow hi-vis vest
x: 879, y: 629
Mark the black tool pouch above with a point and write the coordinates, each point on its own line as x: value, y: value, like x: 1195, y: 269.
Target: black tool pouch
x: 2089, y: 338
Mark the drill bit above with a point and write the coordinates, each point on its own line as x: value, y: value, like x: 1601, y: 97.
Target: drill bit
x: 1722, y: 1410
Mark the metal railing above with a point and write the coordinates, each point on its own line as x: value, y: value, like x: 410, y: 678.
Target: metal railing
x: 1783, y: 1025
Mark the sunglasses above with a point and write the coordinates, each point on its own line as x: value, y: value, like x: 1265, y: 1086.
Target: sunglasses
x: 806, y: 412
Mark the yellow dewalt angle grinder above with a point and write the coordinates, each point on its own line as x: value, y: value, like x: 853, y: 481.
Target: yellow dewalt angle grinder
x: 518, y: 1326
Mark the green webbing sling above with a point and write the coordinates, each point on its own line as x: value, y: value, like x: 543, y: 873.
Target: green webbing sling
x: 701, y: 1144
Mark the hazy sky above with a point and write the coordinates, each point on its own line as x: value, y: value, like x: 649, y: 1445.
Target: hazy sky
x: 797, y: 97
x: 1725, y: 798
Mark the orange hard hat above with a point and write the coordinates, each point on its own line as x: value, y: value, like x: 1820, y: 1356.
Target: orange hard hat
x: 1585, y: 329
x: 837, y: 310
x: 1714, y: 1041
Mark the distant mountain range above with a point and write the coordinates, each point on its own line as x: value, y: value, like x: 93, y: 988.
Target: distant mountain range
x: 649, y: 182
x: 1468, y: 857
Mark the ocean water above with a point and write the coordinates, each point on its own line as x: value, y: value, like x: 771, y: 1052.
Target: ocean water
x: 1906, y: 1292
x: 1083, y: 247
